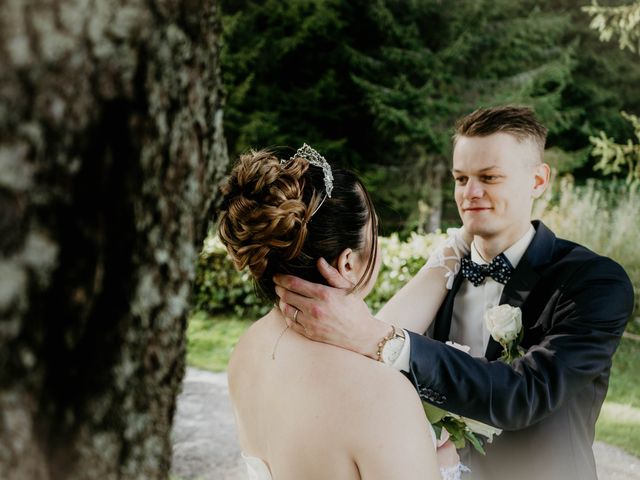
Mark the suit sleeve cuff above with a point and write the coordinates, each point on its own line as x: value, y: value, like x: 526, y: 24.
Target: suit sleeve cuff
x: 402, y: 362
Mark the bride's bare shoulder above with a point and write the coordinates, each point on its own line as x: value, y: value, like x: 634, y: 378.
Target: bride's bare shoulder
x: 329, y: 374
x: 363, y: 379
x: 372, y: 403
x: 248, y: 345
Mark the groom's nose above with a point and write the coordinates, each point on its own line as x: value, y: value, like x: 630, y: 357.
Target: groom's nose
x: 473, y: 189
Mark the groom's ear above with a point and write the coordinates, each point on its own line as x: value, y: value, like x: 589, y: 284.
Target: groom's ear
x: 542, y: 174
x: 346, y: 264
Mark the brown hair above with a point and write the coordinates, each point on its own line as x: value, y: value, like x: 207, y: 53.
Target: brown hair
x: 267, y: 225
x: 518, y: 121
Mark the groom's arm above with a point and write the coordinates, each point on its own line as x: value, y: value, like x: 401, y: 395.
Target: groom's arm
x: 588, y: 318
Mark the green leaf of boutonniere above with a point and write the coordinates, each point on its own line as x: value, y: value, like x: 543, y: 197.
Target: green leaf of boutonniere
x: 459, y: 433
x: 433, y: 413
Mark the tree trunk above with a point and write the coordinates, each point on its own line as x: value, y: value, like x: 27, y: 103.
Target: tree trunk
x: 111, y: 149
x: 435, y: 181
x: 427, y: 176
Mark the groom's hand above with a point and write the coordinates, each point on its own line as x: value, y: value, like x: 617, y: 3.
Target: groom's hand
x: 330, y: 314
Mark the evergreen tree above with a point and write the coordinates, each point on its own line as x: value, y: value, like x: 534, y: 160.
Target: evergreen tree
x: 621, y: 21
x: 377, y: 85
x: 624, y: 23
x: 618, y: 158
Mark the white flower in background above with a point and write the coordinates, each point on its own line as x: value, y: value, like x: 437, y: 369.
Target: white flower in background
x: 504, y: 323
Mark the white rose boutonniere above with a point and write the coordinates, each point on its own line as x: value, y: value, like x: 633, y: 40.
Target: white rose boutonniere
x: 504, y: 323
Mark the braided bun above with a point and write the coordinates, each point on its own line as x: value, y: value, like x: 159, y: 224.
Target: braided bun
x: 264, y: 214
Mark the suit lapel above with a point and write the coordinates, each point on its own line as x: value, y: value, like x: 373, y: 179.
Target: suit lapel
x: 515, y: 293
x: 524, y: 278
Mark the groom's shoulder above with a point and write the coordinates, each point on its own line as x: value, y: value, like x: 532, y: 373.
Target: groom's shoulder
x: 583, y: 261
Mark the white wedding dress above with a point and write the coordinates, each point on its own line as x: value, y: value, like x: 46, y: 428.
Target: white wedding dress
x: 259, y: 470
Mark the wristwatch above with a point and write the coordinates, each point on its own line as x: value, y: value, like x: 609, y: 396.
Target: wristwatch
x: 392, y: 347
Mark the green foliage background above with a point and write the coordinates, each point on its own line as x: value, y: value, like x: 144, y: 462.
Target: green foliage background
x: 377, y: 85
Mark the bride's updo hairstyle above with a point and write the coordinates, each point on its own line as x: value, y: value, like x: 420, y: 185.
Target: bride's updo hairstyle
x: 268, y: 224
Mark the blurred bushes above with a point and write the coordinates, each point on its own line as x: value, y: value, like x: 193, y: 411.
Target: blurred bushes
x: 401, y: 260
x: 220, y: 288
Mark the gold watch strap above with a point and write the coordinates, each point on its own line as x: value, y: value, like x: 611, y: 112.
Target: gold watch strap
x: 383, y: 342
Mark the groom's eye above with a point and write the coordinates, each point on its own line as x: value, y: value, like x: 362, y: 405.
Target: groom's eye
x: 490, y: 178
x: 461, y: 180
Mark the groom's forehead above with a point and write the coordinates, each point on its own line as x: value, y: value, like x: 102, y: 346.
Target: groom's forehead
x: 502, y: 151
x: 476, y: 169
x: 493, y: 143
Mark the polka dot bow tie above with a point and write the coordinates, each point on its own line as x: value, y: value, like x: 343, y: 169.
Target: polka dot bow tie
x: 499, y: 269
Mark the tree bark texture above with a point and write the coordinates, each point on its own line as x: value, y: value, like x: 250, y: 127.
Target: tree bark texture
x: 111, y: 151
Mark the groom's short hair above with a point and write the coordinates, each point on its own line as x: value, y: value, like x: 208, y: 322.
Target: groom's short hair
x: 518, y: 121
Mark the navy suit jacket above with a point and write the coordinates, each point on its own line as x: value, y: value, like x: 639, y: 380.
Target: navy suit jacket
x: 575, y: 305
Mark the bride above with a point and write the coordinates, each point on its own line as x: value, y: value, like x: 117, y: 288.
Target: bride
x: 303, y: 409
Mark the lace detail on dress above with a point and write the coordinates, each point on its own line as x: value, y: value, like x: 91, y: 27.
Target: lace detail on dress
x: 257, y: 469
x: 453, y: 248
x: 453, y: 473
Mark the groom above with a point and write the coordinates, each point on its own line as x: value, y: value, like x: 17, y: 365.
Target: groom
x: 574, y: 304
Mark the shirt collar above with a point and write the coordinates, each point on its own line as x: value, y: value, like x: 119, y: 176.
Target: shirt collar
x: 514, y: 253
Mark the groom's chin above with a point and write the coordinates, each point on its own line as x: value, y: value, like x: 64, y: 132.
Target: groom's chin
x: 479, y: 229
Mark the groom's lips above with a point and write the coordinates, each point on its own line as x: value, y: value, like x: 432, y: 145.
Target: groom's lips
x: 476, y: 209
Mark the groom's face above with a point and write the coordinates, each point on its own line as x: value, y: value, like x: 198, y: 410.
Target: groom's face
x: 496, y: 177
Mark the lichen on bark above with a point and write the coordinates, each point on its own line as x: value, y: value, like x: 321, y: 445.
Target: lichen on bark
x: 111, y: 149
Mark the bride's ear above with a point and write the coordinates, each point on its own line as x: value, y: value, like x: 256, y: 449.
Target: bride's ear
x: 348, y: 265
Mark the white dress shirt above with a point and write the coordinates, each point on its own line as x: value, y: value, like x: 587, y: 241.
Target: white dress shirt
x: 467, y: 322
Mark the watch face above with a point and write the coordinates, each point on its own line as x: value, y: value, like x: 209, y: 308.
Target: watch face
x: 391, y: 350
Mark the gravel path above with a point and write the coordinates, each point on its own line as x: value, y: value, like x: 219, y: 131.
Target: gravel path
x: 205, y: 446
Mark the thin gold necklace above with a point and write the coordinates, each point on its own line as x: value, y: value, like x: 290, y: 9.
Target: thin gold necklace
x: 273, y: 354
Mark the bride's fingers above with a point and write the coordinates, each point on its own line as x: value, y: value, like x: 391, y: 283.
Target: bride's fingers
x: 332, y: 276
x: 466, y: 235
